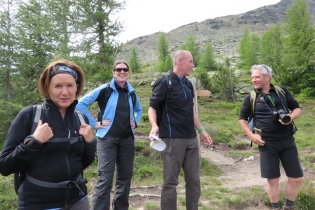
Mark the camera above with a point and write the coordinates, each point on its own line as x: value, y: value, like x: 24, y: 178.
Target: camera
x: 282, y: 115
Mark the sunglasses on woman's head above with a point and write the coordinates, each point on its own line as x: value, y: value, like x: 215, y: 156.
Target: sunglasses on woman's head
x: 122, y: 69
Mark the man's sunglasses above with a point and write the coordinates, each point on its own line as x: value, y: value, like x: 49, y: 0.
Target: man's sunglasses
x: 122, y: 69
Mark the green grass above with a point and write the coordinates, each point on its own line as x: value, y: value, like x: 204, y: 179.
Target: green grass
x: 221, y: 121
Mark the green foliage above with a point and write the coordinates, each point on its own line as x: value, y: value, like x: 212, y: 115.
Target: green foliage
x: 164, y: 59
x: 144, y: 170
x: 207, y: 58
x: 151, y: 206
x: 223, y: 82
x: 299, y: 42
x: 209, y: 169
x: 36, y: 49
x: 191, y: 46
x: 204, y: 78
x: 271, y: 50
x: 134, y: 61
x: 243, y: 50
x: 99, y: 31
x: 248, y: 50
x: 299, y: 47
x: 306, y: 198
x: 289, y: 49
x: 8, y: 112
x: 8, y: 198
x: 95, y: 72
x: 37, y: 32
x: 145, y: 118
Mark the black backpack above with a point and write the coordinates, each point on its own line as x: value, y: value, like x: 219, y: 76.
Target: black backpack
x: 102, y: 100
x: 159, y: 111
x: 38, y: 110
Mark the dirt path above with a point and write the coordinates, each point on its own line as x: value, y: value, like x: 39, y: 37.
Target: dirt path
x: 237, y: 173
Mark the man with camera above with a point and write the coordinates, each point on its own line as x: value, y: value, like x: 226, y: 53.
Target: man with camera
x: 273, y: 111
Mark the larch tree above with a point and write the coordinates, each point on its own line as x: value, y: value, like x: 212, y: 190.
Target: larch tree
x: 36, y: 49
x: 134, y: 61
x: 224, y: 81
x: 243, y: 49
x: 193, y: 47
x: 8, y: 51
x: 8, y: 59
x: 207, y: 60
x: 271, y: 50
x: 164, y: 58
x: 248, y: 49
x: 98, y: 31
x: 298, y: 67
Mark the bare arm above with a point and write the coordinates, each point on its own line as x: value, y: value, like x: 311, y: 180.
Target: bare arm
x: 255, y: 138
x: 152, y: 119
x: 207, y: 140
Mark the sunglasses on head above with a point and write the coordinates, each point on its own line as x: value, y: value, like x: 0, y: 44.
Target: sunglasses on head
x: 265, y: 67
x: 122, y: 69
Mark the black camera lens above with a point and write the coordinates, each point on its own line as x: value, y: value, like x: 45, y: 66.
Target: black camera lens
x: 284, y: 118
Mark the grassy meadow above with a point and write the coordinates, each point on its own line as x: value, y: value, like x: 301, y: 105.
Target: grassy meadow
x: 220, y: 119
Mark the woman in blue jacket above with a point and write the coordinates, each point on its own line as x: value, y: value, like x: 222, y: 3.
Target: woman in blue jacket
x: 115, y: 134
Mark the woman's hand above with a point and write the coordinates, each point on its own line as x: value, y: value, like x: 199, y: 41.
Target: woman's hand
x: 104, y: 123
x: 43, y: 132
x: 132, y: 124
x: 87, y: 132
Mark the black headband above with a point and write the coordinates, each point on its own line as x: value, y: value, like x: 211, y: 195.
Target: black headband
x: 63, y: 69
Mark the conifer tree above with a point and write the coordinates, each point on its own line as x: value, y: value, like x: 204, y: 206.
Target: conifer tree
x: 271, y: 50
x: 223, y: 82
x: 133, y: 61
x: 243, y: 50
x: 248, y: 50
x: 298, y: 65
x: 193, y: 47
x: 99, y: 31
x: 207, y: 59
x: 164, y: 58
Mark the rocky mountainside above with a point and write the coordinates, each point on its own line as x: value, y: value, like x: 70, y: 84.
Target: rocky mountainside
x: 223, y: 32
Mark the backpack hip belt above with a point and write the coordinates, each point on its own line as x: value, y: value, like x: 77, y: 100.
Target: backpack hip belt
x: 64, y: 184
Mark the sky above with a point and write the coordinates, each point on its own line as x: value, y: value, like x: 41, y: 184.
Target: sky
x: 145, y: 17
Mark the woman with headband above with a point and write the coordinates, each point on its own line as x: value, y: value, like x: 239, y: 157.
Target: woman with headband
x: 54, y: 150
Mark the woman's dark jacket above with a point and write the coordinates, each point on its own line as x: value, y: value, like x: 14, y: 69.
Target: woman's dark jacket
x: 48, y: 162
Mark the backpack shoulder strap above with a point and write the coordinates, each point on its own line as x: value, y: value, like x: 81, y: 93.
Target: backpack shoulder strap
x: 107, y: 92
x: 280, y: 90
x: 252, y: 102
x: 19, y: 176
x: 190, y: 86
x: 169, y: 88
x: 103, y: 97
x: 38, y: 110
x: 80, y: 116
x: 133, y: 98
x: 168, y: 81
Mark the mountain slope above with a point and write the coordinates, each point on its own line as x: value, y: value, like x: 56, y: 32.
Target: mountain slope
x: 223, y: 32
